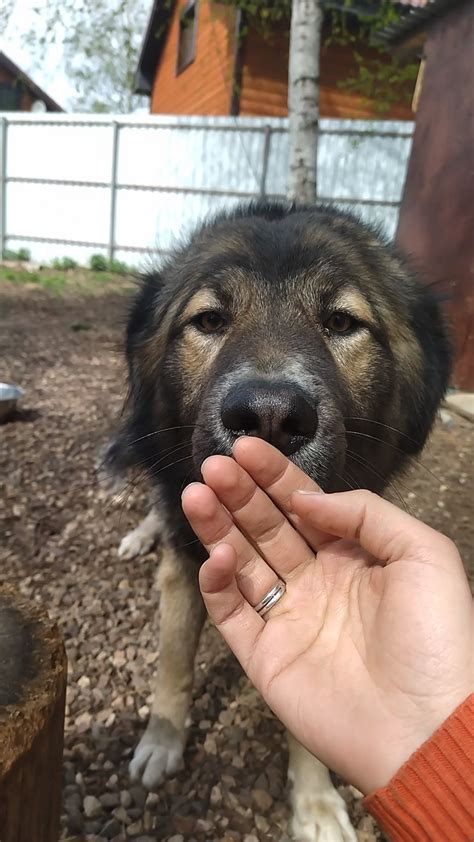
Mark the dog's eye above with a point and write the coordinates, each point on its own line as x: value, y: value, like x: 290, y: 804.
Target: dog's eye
x: 209, y: 322
x: 340, y: 323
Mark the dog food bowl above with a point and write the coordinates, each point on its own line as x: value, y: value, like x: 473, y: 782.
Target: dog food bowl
x: 9, y: 395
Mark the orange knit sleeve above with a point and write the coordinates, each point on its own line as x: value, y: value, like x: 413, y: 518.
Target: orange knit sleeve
x: 431, y: 798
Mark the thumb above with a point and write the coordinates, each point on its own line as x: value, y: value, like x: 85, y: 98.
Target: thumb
x: 378, y: 526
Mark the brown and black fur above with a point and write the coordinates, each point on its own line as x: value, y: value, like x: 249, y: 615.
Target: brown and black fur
x: 365, y: 398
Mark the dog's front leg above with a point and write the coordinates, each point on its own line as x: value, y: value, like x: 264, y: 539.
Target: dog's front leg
x: 141, y: 539
x: 159, y: 752
x: 319, y: 812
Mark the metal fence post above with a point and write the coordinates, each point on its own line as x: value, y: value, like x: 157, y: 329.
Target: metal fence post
x: 265, y: 156
x: 3, y: 187
x: 113, y: 189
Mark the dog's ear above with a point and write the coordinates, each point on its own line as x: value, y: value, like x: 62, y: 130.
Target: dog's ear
x: 430, y: 327
x: 145, y: 316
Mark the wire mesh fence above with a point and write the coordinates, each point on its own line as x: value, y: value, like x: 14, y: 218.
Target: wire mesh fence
x: 133, y: 187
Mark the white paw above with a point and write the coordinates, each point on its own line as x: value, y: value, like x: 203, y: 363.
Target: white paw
x: 321, y: 818
x: 137, y: 542
x: 158, y: 754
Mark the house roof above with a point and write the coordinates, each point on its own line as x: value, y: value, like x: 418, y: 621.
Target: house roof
x: 153, y: 44
x: 418, y: 17
x: 10, y: 67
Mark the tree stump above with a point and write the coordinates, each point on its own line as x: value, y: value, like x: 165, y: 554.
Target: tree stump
x: 32, y: 701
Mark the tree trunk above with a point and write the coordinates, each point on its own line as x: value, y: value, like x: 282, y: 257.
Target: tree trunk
x: 32, y: 700
x: 303, y: 99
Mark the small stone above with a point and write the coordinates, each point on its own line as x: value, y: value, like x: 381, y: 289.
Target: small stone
x: 111, y: 828
x: 139, y: 795
x: 249, y: 837
x: 446, y: 418
x: 109, y: 800
x: 216, y: 795
x: 72, y: 802
x: 184, y: 824
x: 261, y: 823
x: 84, y: 682
x: 125, y: 798
x: 204, y: 825
x: 152, y: 799
x: 210, y: 745
x: 262, y: 799
x: 92, y: 806
x: 121, y: 815
x: 176, y: 838
x: 135, y: 828
x: 112, y: 782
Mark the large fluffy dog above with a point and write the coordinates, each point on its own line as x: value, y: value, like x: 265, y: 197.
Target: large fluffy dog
x: 298, y: 325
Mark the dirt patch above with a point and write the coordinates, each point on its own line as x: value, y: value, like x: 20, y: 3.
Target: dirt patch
x: 60, y: 548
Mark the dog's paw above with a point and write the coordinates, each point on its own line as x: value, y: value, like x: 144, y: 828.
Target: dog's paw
x: 158, y: 754
x: 322, y: 818
x: 137, y: 542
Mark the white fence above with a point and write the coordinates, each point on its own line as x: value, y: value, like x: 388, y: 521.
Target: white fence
x: 74, y: 185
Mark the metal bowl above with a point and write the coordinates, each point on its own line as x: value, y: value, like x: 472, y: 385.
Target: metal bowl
x: 9, y: 395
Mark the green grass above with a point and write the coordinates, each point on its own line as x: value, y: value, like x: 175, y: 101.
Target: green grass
x: 74, y: 281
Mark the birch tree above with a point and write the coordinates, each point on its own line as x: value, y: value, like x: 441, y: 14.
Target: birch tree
x: 303, y: 99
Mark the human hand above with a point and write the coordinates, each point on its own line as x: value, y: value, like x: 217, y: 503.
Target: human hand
x: 371, y: 647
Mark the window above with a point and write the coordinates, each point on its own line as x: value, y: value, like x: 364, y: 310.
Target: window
x: 10, y: 96
x: 187, y: 36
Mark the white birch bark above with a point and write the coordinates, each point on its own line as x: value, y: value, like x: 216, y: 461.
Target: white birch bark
x: 303, y: 99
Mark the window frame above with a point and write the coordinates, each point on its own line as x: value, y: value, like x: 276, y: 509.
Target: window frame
x: 189, y: 9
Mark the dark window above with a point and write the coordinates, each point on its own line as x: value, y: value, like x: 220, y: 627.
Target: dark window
x: 10, y: 97
x: 187, y: 36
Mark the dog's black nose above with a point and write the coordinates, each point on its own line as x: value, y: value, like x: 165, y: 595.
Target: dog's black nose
x: 277, y: 412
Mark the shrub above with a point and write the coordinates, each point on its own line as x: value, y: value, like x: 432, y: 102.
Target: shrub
x: 64, y: 263
x: 22, y: 254
x: 118, y: 267
x: 98, y: 263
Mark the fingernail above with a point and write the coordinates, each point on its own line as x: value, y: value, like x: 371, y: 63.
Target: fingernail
x: 189, y: 486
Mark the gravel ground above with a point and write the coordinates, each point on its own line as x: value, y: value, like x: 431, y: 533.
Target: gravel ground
x: 61, y: 542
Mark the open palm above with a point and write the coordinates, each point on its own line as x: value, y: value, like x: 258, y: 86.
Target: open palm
x: 370, y: 648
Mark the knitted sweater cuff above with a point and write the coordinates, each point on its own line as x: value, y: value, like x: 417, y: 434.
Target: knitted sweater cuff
x: 431, y: 797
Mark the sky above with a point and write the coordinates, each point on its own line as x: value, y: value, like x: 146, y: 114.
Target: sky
x: 49, y: 75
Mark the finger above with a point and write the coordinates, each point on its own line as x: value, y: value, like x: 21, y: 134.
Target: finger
x: 236, y: 620
x: 381, y: 528
x: 212, y: 525
x: 254, y: 512
x: 278, y: 477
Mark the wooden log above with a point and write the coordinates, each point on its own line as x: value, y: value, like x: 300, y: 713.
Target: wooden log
x: 32, y: 701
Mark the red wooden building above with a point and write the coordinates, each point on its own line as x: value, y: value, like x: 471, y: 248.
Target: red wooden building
x: 200, y: 57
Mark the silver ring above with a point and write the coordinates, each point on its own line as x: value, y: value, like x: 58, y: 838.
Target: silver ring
x: 271, y: 598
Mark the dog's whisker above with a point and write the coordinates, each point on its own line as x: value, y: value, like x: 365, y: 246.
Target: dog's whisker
x: 394, y: 447
x: 162, y: 458
x: 360, y: 459
x: 386, y: 426
x: 352, y: 485
x: 165, y: 430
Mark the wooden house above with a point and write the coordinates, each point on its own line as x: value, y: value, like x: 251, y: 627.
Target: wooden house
x: 19, y: 93
x: 436, y: 223
x: 201, y: 57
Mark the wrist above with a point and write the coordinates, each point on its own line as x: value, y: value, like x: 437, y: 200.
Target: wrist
x: 402, y: 745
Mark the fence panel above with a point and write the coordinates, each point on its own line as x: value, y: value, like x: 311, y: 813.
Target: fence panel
x: 77, y: 184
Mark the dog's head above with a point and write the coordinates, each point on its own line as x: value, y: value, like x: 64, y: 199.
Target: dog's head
x: 295, y: 324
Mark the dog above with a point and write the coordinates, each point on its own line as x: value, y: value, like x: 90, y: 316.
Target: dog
x: 297, y: 324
